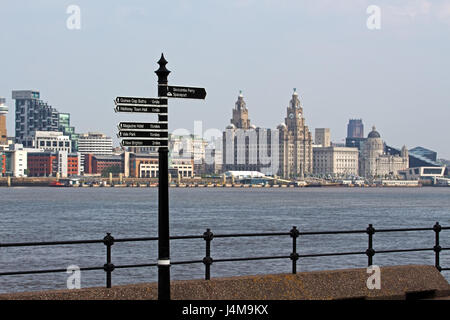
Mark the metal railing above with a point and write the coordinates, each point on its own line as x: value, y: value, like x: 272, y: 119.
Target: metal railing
x: 208, y: 260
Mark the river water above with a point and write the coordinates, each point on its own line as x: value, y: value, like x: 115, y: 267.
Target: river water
x: 52, y: 214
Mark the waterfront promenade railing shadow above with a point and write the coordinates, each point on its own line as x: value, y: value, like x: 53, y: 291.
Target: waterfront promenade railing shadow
x: 208, y: 259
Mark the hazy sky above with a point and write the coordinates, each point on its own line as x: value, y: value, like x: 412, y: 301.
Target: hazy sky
x: 397, y: 78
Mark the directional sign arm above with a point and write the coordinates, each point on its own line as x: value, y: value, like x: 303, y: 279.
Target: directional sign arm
x: 183, y: 92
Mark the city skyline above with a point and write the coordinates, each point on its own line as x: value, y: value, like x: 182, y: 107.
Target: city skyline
x: 394, y: 78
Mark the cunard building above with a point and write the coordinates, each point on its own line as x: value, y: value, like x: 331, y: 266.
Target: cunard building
x: 295, y: 142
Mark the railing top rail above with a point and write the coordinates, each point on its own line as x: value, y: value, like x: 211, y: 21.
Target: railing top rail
x: 230, y: 235
x: 48, y: 243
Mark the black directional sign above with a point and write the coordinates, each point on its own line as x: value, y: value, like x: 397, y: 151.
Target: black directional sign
x: 140, y: 101
x: 144, y: 143
x: 142, y: 126
x: 143, y: 134
x: 183, y: 92
x: 140, y: 109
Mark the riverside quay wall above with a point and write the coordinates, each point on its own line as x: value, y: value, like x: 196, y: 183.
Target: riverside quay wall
x: 397, y: 282
x: 46, y: 181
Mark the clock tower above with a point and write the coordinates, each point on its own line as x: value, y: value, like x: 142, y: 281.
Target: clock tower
x: 295, y: 142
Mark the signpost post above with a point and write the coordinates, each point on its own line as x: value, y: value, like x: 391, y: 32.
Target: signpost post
x: 141, y: 134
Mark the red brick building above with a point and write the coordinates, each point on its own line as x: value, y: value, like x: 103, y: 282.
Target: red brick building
x: 97, y: 164
x: 44, y: 164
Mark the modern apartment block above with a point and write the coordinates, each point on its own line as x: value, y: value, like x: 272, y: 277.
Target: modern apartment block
x: 33, y: 114
x: 50, y: 141
x: 94, y: 143
x: 67, y: 130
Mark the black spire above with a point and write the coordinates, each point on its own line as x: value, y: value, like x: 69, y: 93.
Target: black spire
x: 162, y: 72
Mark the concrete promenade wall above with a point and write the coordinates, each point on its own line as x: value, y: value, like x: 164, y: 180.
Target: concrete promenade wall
x: 397, y: 282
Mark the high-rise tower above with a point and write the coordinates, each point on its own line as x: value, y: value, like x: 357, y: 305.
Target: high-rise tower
x: 355, y: 134
x: 3, y: 113
x: 295, y: 141
x: 355, y: 128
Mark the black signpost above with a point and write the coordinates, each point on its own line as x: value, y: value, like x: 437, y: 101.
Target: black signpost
x: 140, y: 134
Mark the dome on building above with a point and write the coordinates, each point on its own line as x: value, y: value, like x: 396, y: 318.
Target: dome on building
x: 252, y: 126
x: 374, y: 133
x: 231, y: 126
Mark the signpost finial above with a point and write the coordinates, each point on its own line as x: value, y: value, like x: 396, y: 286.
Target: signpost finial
x: 162, y: 72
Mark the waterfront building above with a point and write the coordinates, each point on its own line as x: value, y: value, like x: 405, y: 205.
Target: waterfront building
x: 51, y: 141
x: 426, y: 175
x: 94, y: 143
x: 213, y: 156
x: 295, y: 142
x: 374, y: 162
x: 246, y: 147
x: 146, y: 166
x: 53, y: 163
x: 33, y: 114
x: 3, y: 113
x: 97, y: 164
x: 335, y: 161
x: 15, y: 160
x: 424, y: 152
x: 65, y: 127
x: 189, y: 146
x: 322, y: 137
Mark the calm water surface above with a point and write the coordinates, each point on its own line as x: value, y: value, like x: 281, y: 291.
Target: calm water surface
x: 50, y: 214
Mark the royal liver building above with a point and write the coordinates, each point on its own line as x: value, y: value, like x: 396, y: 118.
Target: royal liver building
x: 295, y: 147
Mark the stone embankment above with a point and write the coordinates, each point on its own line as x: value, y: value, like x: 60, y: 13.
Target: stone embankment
x: 397, y: 282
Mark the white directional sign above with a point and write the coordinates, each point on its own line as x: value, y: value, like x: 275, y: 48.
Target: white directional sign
x: 144, y: 143
x: 183, y: 92
x: 140, y: 109
x: 141, y: 101
x: 142, y: 126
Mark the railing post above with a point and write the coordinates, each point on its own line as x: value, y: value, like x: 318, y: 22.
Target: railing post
x: 108, y: 266
x: 294, y: 233
x: 437, y: 248
x: 370, y: 252
x: 207, y: 260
